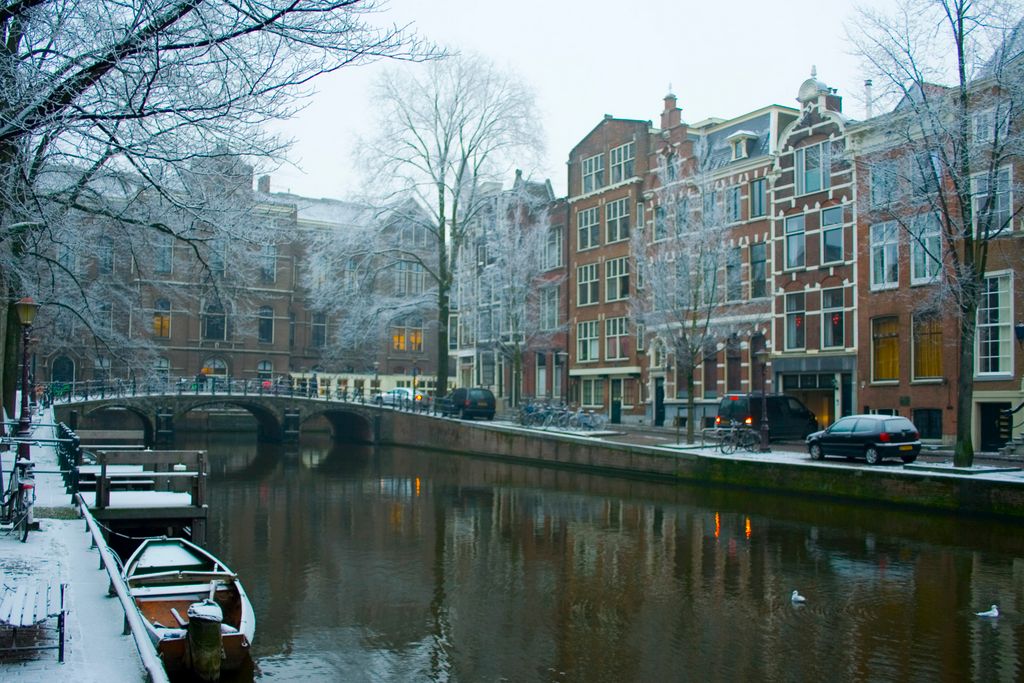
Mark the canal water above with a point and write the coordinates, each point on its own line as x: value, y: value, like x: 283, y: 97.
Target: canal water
x: 371, y: 564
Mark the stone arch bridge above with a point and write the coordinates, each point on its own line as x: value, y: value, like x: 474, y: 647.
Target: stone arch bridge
x: 278, y: 418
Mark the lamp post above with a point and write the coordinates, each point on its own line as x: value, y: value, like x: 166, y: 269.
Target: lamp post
x: 563, y: 361
x: 26, y: 309
x: 762, y: 355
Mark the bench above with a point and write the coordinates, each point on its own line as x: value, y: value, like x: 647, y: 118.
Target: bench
x: 29, y: 603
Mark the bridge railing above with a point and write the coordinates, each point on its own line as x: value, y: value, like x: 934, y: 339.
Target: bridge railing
x: 71, y: 392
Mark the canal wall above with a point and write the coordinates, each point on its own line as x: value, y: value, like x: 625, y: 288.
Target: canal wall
x: 977, y: 494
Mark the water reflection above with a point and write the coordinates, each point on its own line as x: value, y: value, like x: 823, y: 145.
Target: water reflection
x: 401, y: 565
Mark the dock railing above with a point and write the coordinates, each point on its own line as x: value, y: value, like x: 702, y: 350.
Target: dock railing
x: 133, y: 624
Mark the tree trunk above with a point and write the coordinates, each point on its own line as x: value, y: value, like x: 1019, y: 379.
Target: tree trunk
x: 12, y: 344
x: 963, y: 453
x: 517, y: 374
x: 691, y: 405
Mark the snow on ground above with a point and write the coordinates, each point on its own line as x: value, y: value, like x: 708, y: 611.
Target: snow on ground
x: 95, y: 649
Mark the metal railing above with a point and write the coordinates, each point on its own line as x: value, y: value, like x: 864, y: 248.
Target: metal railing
x: 132, y: 619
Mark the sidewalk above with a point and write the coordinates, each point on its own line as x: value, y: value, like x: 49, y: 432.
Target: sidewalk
x: 95, y: 648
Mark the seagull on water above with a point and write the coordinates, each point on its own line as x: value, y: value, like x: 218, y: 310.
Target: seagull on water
x: 799, y: 599
x: 992, y: 613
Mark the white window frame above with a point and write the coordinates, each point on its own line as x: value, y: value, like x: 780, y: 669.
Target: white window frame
x: 995, y: 327
x: 587, y: 281
x: 733, y: 204
x: 885, y: 182
x: 823, y: 151
x: 588, y: 229
x: 792, y: 314
x: 793, y: 236
x: 592, y: 392
x: 758, y: 200
x: 593, y: 173
x: 832, y: 228
x: 984, y: 122
x: 553, y: 249
x: 1003, y: 198
x: 925, y: 249
x: 616, y: 330
x: 827, y: 311
x: 885, y: 255
x: 622, y: 162
x: 616, y: 218
x: 588, y: 342
x: 616, y: 279
x: 549, y: 308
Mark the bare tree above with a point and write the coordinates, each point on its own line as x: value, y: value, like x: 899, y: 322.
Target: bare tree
x: 950, y: 72
x: 501, y: 275
x: 444, y: 132
x: 686, y: 265
x: 110, y: 110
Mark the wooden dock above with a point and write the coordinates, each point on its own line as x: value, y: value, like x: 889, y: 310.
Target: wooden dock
x: 136, y: 493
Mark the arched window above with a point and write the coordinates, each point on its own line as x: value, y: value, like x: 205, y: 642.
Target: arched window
x: 162, y: 318
x: 214, y: 323
x: 215, y: 367
x: 265, y: 325
x: 62, y: 370
x: 265, y: 369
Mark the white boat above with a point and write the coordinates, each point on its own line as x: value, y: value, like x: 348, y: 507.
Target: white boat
x: 194, y: 607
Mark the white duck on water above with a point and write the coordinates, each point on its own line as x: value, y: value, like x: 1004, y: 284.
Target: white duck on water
x: 797, y: 598
x: 992, y: 613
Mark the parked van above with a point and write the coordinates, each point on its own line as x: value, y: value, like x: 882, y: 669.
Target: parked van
x: 469, y: 403
x: 788, y: 418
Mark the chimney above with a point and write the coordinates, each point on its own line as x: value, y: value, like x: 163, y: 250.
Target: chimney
x: 869, y: 99
x: 833, y: 102
x: 670, y: 117
x: 263, y: 184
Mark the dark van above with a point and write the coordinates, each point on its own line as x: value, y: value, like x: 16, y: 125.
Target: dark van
x: 469, y: 403
x: 788, y: 418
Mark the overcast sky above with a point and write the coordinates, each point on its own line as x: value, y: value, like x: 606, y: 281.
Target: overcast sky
x: 588, y: 58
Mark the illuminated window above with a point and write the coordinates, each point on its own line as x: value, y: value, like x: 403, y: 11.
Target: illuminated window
x: 162, y: 318
x: 927, y: 347
x: 795, y: 321
x: 885, y: 349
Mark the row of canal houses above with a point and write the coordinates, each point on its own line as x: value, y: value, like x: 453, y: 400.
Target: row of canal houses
x: 820, y: 295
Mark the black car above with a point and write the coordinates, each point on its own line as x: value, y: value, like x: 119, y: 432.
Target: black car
x: 788, y: 418
x: 469, y: 403
x: 872, y: 437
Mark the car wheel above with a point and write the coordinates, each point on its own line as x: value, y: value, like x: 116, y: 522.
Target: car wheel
x: 872, y: 456
x: 907, y: 459
x: 463, y: 415
x: 816, y: 452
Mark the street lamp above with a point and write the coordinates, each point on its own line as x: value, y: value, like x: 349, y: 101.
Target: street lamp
x: 762, y: 355
x: 26, y: 309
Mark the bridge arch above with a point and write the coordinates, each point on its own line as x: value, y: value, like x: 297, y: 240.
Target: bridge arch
x: 268, y: 423
x: 148, y: 428
x: 346, y: 424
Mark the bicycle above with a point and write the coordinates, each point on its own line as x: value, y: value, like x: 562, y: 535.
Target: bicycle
x: 739, y: 437
x: 18, y: 499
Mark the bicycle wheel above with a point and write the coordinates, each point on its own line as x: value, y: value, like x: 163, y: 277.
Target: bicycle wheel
x: 21, y: 509
x: 729, y: 444
x: 751, y: 441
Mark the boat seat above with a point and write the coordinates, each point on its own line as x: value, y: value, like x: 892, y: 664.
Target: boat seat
x: 201, y: 590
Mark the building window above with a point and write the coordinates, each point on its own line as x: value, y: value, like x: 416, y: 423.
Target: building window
x: 588, y: 229
x: 884, y: 255
x: 318, y: 330
x: 758, y: 270
x: 812, y: 168
x: 162, y: 318
x: 660, y: 223
x: 553, y: 249
x: 928, y: 422
x: 163, y: 254
x: 592, y: 393
x: 622, y: 162
x: 927, y: 347
x: 733, y: 275
x: 407, y: 335
x: 265, y: 370
x: 587, y: 341
x: 616, y: 338
x: 215, y: 323
x: 268, y: 263
x: 549, y: 308
x: 218, y: 256
x: 925, y: 249
x: 709, y: 208
x: 616, y: 215
x: 991, y: 199
x: 641, y: 334
x: 682, y: 215
x: 616, y: 273
x: 832, y: 235
x: 162, y: 370
x: 832, y: 318
x: 105, y: 256
x: 795, y: 319
x: 410, y: 277
x: 884, y: 182
x: 796, y: 256
x: 758, y: 198
x: 588, y: 287
x: 733, y: 212
x: 593, y: 173
x: 453, y: 332
x: 265, y: 325
x: 989, y: 123
x: 885, y: 349
x: 104, y: 318
x: 926, y: 173
x: 993, y: 348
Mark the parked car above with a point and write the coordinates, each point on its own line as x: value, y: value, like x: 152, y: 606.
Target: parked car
x: 469, y: 403
x: 788, y: 418
x: 402, y: 396
x: 872, y: 437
